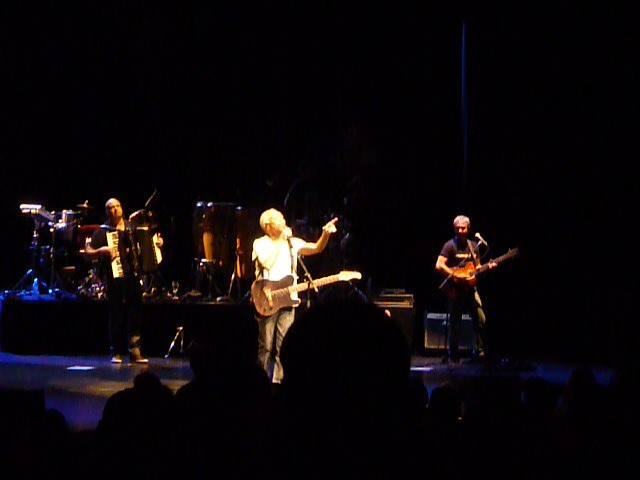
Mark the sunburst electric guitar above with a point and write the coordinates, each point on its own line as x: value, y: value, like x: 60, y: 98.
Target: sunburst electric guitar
x: 269, y: 296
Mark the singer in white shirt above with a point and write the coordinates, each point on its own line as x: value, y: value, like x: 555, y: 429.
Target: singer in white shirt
x: 275, y: 256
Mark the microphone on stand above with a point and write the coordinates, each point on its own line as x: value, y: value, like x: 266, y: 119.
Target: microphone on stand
x: 481, y: 240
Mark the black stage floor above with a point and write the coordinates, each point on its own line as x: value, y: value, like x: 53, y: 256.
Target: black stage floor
x: 78, y: 386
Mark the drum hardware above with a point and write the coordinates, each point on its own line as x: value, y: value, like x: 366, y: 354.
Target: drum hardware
x: 91, y: 286
x: 40, y: 254
x: 206, y: 279
x: 57, y: 249
x: 84, y: 206
x: 70, y: 237
x: 179, y: 335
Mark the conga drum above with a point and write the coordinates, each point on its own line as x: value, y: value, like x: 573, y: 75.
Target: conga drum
x: 214, y: 234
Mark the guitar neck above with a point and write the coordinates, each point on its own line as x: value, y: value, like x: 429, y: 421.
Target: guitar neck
x: 320, y: 282
x: 498, y: 260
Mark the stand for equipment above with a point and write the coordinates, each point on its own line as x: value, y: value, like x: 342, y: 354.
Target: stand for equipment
x: 237, y: 281
x: 179, y: 335
x: 31, y: 281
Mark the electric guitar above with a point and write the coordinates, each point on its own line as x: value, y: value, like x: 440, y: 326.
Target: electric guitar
x: 269, y: 296
x: 465, y: 277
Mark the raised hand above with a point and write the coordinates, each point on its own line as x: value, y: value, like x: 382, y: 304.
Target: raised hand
x: 330, y: 226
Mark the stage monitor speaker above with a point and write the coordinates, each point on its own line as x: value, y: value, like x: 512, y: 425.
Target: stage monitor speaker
x: 435, y: 331
x: 401, y: 309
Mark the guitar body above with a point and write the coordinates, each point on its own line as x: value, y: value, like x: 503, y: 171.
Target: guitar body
x: 465, y: 275
x: 265, y: 298
x: 461, y: 283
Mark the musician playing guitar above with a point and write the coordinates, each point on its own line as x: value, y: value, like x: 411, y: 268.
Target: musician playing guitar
x: 275, y: 255
x: 458, y: 260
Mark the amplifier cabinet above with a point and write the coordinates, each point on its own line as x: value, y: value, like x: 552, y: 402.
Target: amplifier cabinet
x: 435, y: 331
x: 401, y: 309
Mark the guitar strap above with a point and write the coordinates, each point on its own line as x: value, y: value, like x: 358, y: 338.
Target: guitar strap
x: 293, y: 265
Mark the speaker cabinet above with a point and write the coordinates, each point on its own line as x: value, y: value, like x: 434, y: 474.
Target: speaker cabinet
x: 435, y: 332
x: 400, y: 307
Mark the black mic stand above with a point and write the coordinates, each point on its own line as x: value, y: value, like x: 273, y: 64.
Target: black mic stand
x: 148, y: 202
x: 309, y: 279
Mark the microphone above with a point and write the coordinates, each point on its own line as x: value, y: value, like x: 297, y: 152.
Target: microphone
x: 287, y: 233
x: 481, y: 240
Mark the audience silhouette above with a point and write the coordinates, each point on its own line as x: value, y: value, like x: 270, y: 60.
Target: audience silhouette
x: 348, y: 406
x: 346, y: 397
x: 224, y: 412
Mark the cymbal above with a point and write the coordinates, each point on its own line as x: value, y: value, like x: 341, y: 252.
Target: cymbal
x: 141, y: 216
x: 138, y: 213
x: 84, y: 206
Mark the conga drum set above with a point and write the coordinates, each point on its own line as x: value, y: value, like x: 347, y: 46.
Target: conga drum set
x: 223, y: 233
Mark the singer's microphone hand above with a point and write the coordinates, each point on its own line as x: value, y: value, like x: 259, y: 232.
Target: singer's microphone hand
x: 287, y: 232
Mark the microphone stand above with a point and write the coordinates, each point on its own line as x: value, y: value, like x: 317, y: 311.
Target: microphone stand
x: 309, y: 279
x: 135, y: 253
x: 148, y: 202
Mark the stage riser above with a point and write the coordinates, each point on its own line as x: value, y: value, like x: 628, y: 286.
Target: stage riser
x: 81, y: 328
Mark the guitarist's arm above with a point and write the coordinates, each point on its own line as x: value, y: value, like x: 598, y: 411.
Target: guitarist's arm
x: 442, y: 267
x: 321, y: 243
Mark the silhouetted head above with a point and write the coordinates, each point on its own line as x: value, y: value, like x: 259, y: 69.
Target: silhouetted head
x: 344, y: 350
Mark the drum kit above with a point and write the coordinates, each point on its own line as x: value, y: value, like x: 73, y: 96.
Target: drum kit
x: 57, y: 250
x: 223, y: 234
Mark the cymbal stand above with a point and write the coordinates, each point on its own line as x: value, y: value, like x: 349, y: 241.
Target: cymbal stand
x: 31, y: 273
x: 235, y: 278
x: 55, y: 280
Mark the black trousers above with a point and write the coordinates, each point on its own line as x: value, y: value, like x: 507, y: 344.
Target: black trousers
x: 470, y: 303
x: 124, y: 298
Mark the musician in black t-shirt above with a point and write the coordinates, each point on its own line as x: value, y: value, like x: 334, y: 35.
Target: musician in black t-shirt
x: 118, y: 268
x: 460, y: 287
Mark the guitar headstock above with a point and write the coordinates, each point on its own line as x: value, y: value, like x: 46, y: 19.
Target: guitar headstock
x: 346, y: 275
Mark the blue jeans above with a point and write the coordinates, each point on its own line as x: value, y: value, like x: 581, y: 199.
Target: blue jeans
x: 271, y: 331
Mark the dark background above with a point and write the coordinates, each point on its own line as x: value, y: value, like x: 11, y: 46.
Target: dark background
x: 350, y: 109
